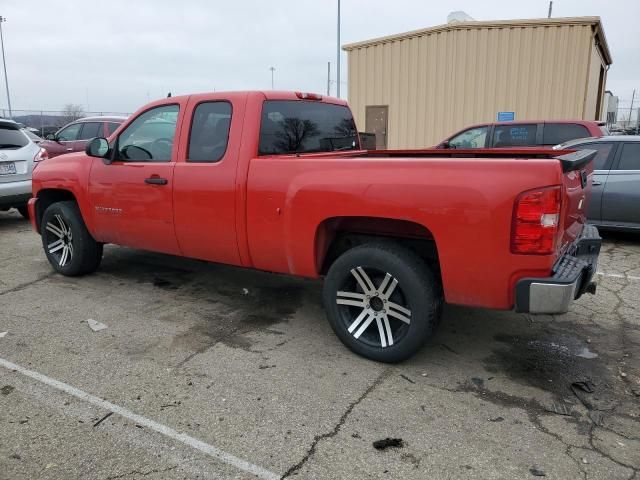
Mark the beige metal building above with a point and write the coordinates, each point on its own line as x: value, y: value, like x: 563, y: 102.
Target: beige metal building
x: 414, y: 89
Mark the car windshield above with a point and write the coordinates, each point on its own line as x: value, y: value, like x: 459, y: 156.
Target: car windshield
x: 12, y: 138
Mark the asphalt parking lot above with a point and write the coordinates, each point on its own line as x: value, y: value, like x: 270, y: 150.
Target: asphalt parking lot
x: 207, y: 371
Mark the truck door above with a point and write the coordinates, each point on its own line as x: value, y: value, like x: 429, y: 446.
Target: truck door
x: 133, y: 196
x: 622, y: 192
x: 205, y: 178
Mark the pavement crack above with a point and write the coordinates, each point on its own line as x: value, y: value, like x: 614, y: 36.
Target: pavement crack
x: 343, y: 418
x: 604, y: 454
x: 22, y: 286
x: 139, y: 472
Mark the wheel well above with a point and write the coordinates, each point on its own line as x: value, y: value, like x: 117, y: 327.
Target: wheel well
x: 337, y: 235
x: 48, y: 197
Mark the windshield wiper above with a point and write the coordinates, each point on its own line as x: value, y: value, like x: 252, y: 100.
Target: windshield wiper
x: 10, y: 145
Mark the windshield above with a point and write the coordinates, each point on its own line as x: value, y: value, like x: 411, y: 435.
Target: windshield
x: 292, y: 126
x: 12, y: 138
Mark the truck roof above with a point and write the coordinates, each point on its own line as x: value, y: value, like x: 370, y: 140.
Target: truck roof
x: 269, y: 95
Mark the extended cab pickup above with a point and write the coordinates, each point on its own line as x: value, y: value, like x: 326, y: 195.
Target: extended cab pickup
x: 276, y: 181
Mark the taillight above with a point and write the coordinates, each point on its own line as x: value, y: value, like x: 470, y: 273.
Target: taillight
x: 308, y: 96
x: 536, y: 218
x: 41, y: 155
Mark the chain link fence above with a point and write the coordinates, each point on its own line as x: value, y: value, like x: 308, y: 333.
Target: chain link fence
x: 49, y: 121
x: 627, y: 120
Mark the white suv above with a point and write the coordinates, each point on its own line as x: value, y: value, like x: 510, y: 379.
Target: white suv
x: 18, y: 155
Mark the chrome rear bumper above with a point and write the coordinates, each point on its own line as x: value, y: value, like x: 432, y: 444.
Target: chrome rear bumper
x: 571, y: 277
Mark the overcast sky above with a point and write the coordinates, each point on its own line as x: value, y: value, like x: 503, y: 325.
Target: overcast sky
x: 118, y: 57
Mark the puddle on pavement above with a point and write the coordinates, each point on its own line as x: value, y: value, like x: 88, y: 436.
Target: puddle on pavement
x: 553, y: 363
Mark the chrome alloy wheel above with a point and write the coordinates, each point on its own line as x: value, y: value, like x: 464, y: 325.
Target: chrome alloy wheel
x: 59, y: 240
x: 363, y: 303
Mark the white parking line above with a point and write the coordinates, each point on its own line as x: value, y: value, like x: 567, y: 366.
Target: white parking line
x: 140, y: 420
x: 618, y: 275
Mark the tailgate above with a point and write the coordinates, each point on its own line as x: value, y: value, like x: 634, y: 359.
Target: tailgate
x: 577, y: 174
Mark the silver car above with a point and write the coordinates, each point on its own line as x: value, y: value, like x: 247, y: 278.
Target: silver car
x: 615, y: 195
x: 18, y: 154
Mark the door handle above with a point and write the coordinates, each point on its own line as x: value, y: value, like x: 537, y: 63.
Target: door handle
x: 69, y: 149
x: 595, y: 184
x: 156, y: 181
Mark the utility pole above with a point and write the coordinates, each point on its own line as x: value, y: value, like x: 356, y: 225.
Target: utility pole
x: 550, y: 9
x: 338, y: 56
x: 4, y: 64
x: 328, y: 78
x: 273, y: 69
x: 631, y: 107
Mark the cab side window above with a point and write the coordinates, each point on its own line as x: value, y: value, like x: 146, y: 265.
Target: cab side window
x: 630, y: 157
x: 472, y: 138
x: 90, y: 130
x: 149, y: 138
x: 209, y: 132
x: 112, y: 127
x: 70, y: 133
x: 514, y: 135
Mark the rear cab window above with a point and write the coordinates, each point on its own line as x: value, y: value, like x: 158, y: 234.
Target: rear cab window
x: 515, y: 135
x: 299, y: 126
x: 555, y: 133
x: 12, y: 138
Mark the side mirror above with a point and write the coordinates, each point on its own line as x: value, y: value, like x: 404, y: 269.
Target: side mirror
x: 50, y: 136
x: 445, y: 144
x: 97, y: 147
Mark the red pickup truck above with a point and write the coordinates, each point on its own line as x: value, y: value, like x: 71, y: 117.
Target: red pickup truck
x: 276, y: 181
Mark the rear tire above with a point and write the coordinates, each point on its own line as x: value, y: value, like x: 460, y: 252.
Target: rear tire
x: 67, y: 243
x: 382, y: 301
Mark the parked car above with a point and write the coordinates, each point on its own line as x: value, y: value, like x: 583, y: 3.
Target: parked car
x: 73, y: 136
x: 615, y: 195
x: 249, y: 179
x: 523, y: 134
x: 18, y: 154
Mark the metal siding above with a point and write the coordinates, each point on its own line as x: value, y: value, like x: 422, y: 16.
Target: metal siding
x: 442, y: 81
x: 593, y: 81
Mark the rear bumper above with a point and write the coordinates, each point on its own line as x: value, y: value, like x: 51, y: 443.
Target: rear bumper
x: 571, y: 277
x: 15, y: 194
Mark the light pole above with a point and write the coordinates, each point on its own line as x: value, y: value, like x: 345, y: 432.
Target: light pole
x: 338, y: 56
x: 4, y: 64
x: 273, y: 69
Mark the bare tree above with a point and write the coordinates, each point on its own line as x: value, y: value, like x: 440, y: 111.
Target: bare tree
x: 70, y: 113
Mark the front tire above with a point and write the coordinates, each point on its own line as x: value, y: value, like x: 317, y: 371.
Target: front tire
x: 68, y: 245
x: 382, y: 301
